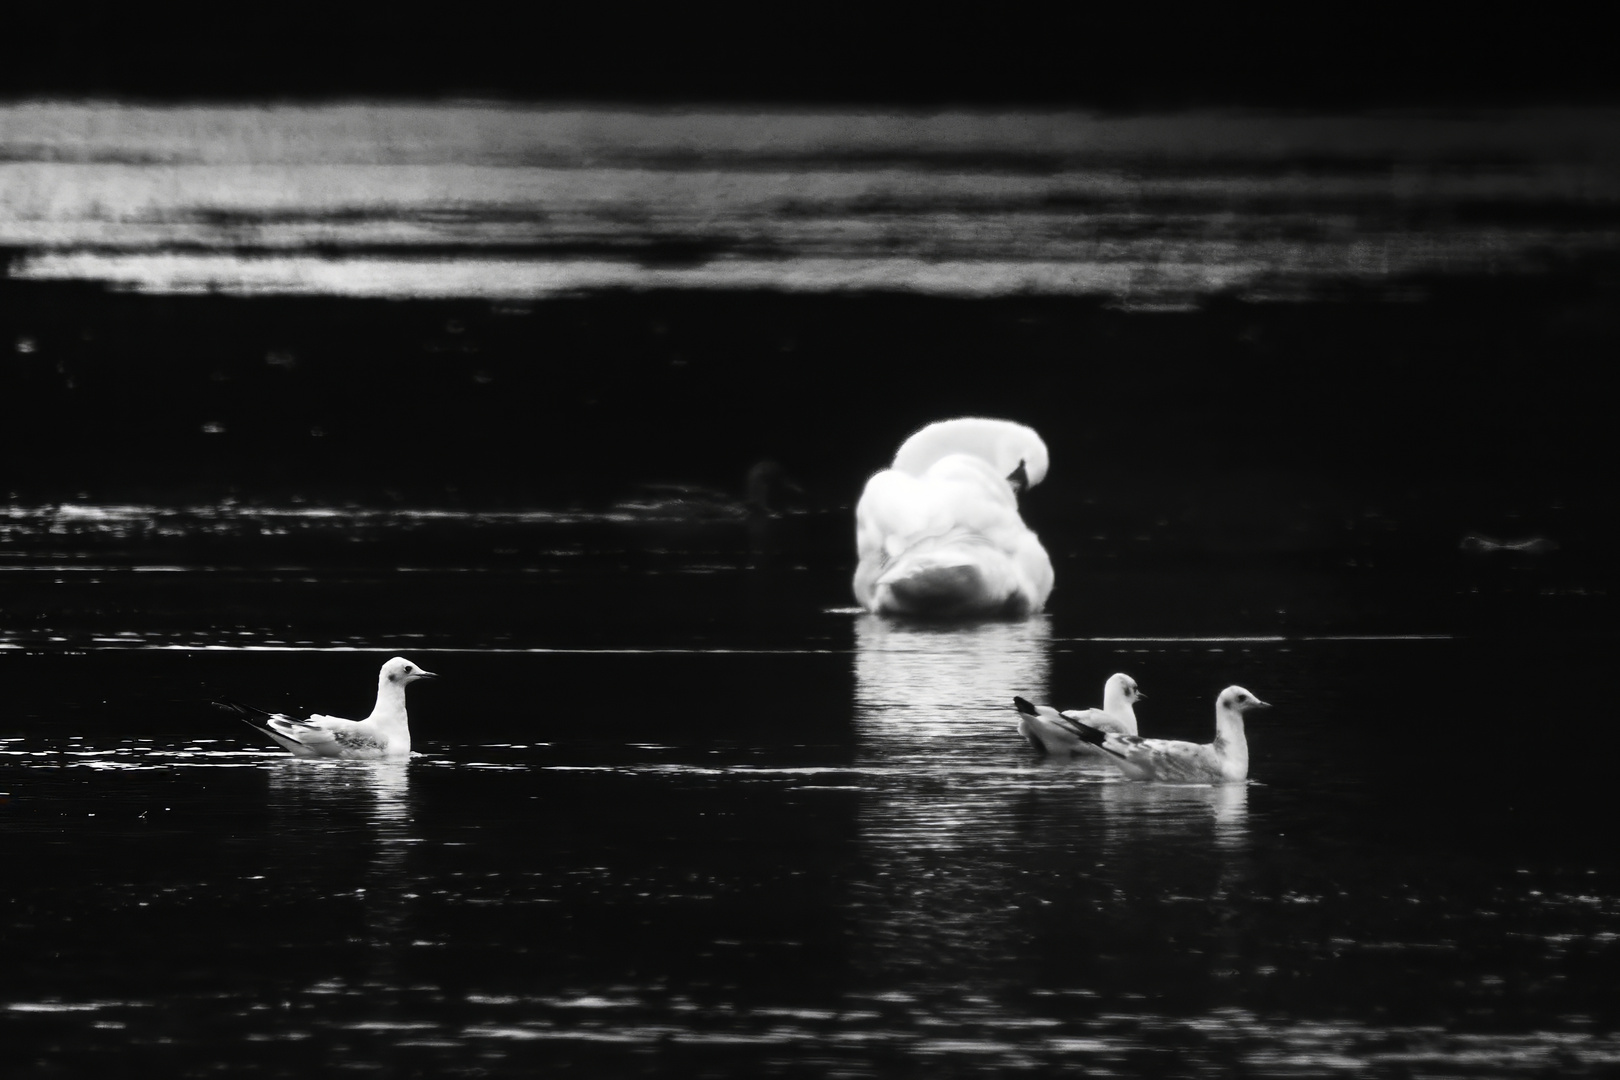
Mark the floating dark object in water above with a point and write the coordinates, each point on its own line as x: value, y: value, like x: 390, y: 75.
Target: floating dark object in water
x: 1535, y: 545
x: 768, y: 492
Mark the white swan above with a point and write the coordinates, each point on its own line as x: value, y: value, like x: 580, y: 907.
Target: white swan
x: 1044, y: 728
x: 384, y: 734
x: 938, y: 534
x: 1226, y: 760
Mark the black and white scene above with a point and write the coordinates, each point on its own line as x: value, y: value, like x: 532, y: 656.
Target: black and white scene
x: 835, y: 544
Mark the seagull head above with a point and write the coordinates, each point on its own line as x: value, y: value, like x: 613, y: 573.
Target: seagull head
x: 402, y: 671
x: 1238, y: 700
x: 1121, y: 689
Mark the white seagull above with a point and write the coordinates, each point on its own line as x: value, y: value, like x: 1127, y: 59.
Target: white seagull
x: 385, y: 734
x: 938, y: 534
x: 1047, y: 733
x: 1226, y: 760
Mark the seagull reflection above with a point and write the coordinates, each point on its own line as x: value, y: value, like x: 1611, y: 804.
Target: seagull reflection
x: 348, y: 828
x: 1230, y: 805
x: 351, y: 819
x: 375, y: 791
x: 977, y: 857
x: 1131, y: 815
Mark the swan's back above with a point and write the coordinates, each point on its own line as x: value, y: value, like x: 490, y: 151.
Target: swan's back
x: 939, y: 533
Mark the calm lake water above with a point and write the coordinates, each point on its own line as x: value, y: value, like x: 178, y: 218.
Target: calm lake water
x: 686, y: 813
x: 294, y: 390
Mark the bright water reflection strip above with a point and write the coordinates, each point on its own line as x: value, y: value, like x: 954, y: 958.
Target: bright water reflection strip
x: 133, y: 644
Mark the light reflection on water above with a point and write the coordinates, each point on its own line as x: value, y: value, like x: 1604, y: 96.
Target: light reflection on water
x: 515, y: 203
x: 950, y: 911
x: 876, y: 878
x: 916, y: 685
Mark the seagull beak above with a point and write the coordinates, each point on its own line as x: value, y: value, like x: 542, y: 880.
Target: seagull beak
x: 1141, y: 696
x: 427, y: 675
x: 1258, y: 704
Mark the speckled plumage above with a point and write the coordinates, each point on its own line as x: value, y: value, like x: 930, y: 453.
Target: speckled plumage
x: 384, y: 734
x: 1226, y: 760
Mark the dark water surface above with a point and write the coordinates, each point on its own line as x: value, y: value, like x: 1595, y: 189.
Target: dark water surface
x: 290, y: 391
x: 685, y: 813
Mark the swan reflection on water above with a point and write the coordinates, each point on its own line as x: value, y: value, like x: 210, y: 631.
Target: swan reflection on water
x: 917, y: 684
x: 968, y: 832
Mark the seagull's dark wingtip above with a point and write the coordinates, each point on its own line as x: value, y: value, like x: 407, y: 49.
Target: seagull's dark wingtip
x: 1088, y: 733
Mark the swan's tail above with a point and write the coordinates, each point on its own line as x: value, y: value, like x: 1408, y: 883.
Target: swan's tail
x: 929, y: 588
x: 942, y: 583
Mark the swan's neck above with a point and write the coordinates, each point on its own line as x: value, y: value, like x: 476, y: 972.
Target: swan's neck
x: 390, y: 707
x: 1230, y: 742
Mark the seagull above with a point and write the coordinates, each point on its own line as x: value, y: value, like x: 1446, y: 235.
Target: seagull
x: 938, y: 534
x: 384, y: 734
x: 1047, y: 733
x: 1226, y: 760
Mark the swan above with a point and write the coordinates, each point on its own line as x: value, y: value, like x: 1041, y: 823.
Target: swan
x: 385, y: 734
x: 1226, y: 760
x: 1047, y: 733
x: 938, y: 533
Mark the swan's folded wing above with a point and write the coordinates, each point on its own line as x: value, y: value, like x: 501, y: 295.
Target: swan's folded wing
x: 883, y: 516
x: 896, y: 511
x: 947, y: 543
x: 1029, y: 555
